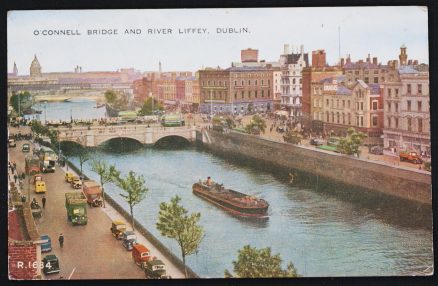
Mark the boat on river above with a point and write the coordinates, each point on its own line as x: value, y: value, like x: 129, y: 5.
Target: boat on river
x: 232, y: 201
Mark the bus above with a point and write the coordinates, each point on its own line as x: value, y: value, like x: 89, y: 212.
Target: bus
x: 169, y: 120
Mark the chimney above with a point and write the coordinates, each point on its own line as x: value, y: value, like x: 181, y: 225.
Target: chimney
x: 301, y: 49
x: 342, y: 62
x: 368, y: 58
x: 286, y: 49
x: 415, y: 62
x: 375, y: 60
x: 348, y: 59
x: 360, y: 61
x: 409, y: 62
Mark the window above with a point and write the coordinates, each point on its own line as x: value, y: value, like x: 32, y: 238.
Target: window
x: 420, y: 106
x: 388, y: 122
x: 262, y: 82
x: 249, y: 94
x: 420, y: 89
x: 366, y: 80
x: 374, y: 105
x: 337, y: 117
x: 269, y: 82
x: 396, y: 92
x: 396, y: 122
x: 409, y: 88
x: 263, y: 93
x: 409, y: 105
x: 243, y: 94
x: 315, y: 104
x: 374, y: 121
x: 361, y: 121
x: 389, y: 106
x: 343, y: 103
x: 376, y: 79
x: 333, y: 117
x: 349, y: 119
x: 293, y: 81
x: 332, y: 103
x: 235, y: 95
x: 255, y: 93
x: 243, y: 83
x: 255, y: 83
x: 235, y: 82
x: 361, y: 106
x: 337, y: 103
x: 327, y: 103
x: 389, y: 92
x: 348, y: 103
x: 409, y: 123
x: 269, y: 93
x: 396, y: 107
x: 327, y: 116
x: 249, y: 82
x: 420, y: 125
x: 356, y: 72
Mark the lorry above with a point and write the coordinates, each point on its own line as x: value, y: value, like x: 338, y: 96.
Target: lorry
x: 76, y: 205
x: 47, y: 159
x: 170, y: 120
x: 410, y: 156
x: 93, y: 192
x: 32, y: 165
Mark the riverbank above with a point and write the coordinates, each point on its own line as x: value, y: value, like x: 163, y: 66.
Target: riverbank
x: 99, y: 98
x: 404, y: 183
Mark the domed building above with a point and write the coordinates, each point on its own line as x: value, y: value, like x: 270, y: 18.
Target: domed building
x: 35, y: 68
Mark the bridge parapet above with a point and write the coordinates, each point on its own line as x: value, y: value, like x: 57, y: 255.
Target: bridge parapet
x: 95, y: 135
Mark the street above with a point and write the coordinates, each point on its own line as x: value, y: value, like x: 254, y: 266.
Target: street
x: 90, y: 250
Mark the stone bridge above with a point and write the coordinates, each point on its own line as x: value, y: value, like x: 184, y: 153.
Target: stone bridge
x: 95, y: 135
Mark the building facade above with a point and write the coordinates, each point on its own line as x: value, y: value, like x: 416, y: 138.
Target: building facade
x: 406, y: 109
x: 292, y: 65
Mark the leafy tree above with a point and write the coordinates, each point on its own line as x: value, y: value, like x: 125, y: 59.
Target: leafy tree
x: 256, y: 123
x: 259, y: 263
x: 83, y: 156
x: 174, y: 222
x: 350, y: 144
x: 293, y: 136
x: 230, y: 122
x: 106, y: 174
x: 38, y: 128
x: 134, y: 190
x: 110, y: 96
x: 17, y: 101
x: 149, y: 106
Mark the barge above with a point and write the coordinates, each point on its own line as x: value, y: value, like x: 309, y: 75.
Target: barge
x: 232, y: 201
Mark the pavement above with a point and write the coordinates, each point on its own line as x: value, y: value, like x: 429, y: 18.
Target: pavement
x: 90, y: 251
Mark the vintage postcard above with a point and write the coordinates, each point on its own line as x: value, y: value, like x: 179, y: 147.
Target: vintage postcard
x: 219, y: 143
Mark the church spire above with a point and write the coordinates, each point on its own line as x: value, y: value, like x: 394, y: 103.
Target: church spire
x: 160, y: 70
x: 15, y: 71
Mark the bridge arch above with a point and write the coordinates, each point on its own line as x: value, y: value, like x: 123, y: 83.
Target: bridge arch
x: 99, y: 140
x: 161, y: 139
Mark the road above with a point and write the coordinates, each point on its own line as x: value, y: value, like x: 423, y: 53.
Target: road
x: 90, y: 250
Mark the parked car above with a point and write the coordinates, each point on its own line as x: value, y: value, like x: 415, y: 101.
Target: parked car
x: 141, y: 255
x: 376, y: 150
x: 68, y: 177
x: 46, y: 245
x: 25, y: 148
x: 317, y: 142
x: 118, y: 227
x: 410, y: 156
x: 51, y: 264
x: 129, y: 239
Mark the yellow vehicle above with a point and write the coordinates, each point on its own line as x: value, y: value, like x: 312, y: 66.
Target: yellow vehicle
x: 117, y: 228
x: 76, y: 182
x: 40, y: 187
x: 68, y: 177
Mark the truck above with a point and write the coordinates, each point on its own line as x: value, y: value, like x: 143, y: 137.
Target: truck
x: 410, y: 156
x: 47, y: 159
x: 32, y: 165
x: 93, y: 192
x: 76, y: 205
x: 169, y: 120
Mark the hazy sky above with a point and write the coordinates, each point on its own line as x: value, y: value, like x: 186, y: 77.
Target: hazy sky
x: 379, y: 31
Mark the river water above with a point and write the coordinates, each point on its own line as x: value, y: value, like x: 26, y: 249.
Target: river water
x: 320, y: 232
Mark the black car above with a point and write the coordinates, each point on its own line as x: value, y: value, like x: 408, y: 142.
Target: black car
x: 376, y: 150
x: 51, y: 264
x: 317, y: 142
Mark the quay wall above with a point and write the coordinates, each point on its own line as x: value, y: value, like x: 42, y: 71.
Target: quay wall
x: 411, y: 185
x: 140, y: 228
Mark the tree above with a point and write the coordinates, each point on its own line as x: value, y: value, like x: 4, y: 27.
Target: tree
x: 350, y: 144
x: 106, y: 174
x: 134, y: 190
x: 256, y: 123
x: 149, y: 106
x: 38, y: 128
x: 18, y: 100
x: 293, y: 137
x: 259, y: 263
x: 83, y: 156
x: 175, y: 222
x: 110, y: 96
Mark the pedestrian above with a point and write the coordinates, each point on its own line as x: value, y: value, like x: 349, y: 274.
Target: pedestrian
x: 15, y: 178
x: 61, y: 240
x: 43, y: 200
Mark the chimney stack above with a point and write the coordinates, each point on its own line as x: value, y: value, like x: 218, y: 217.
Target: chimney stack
x: 286, y: 49
x: 409, y: 62
x: 375, y: 60
x: 302, y: 49
x: 368, y: 58
x: 348, y: 59
x: 342, y: 62
x: 416, y: 62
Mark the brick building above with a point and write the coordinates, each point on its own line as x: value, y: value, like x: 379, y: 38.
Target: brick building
x: 370, y: 71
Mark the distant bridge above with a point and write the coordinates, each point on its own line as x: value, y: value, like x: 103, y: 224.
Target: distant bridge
x: 95, y: 135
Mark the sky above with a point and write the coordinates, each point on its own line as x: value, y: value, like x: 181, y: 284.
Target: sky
x: 379, y: 31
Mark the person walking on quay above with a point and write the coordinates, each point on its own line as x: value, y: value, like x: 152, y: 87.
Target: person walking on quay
x: 15, y: 178
x: 43, y: 200
x: 61, y: 240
